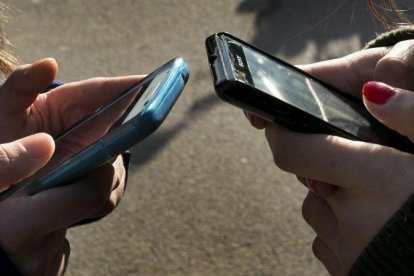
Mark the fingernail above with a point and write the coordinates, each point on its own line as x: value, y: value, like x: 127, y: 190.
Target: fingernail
x: 377, y: 92
x: 38, y: 145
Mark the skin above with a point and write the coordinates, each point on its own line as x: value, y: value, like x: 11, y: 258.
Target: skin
x: 353, y: 188
x: 33, y: 229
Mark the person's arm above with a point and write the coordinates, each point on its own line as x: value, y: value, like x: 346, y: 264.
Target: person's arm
x: 391, y: 251
x: 355, y: 187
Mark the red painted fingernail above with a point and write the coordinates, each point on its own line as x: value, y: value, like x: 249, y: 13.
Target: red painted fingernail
x: 377, y: 92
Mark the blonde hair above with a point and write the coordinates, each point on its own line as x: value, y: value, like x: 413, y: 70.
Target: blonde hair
x: 8, y: 61
x: 388, y: 13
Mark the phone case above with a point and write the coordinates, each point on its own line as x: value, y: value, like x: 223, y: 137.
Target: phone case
x: 120, y: 139
x: 250, y: 98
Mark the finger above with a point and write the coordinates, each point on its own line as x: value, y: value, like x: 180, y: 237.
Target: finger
x: 69, y: 204
x: 400, y: 61
x: 321, y: 217
x: 325, y: 158
x: 72, y: 102
x: 24, y: 84
x: 324, y: 254
x: 255, y: 121
x: 92, y: 93
x: 320, y: 189
x: 118, y: 188
x: 348, y: 74
x: 393, y: 107
x: 22, y: 158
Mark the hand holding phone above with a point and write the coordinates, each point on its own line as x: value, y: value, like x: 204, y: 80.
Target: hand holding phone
x: 279, y: 92
x: 121, y: 121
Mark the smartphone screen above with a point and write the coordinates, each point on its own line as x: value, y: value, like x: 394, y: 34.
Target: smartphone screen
x: 292, y: 87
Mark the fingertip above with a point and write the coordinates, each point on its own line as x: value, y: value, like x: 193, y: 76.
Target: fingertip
x: 258, y: 123
x: 43, y: 71
x: 39, y: 146
x: 377, y: 92
x: 24, y: 84
x: 23, y: 157
x: 255, y: 121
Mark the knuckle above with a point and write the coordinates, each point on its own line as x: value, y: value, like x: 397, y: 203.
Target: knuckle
x: 6, y: 160
x: 112, y: 202
x: 401, y: 64
x: 5, y: 156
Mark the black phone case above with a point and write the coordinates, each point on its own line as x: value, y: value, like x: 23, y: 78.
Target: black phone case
x: 272, y: 109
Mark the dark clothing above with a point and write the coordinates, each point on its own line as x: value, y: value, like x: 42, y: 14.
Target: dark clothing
x: 391, y: 252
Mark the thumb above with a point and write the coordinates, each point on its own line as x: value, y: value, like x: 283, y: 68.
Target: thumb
x: 24, y: 84
x: 392, y: 106
x: 21, y: 158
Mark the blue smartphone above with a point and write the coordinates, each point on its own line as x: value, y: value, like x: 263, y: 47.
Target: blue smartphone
x: 110, y: 130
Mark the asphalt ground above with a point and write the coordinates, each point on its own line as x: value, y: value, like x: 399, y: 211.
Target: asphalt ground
x: 204, y: 197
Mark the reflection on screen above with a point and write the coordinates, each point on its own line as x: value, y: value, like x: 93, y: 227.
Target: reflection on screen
x: 298, y: 90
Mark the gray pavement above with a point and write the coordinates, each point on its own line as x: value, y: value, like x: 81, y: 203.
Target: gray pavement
x: 204, y: 196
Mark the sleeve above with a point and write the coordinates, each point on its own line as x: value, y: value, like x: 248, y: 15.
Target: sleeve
x: 392, y: 37
x: 391, y: 252
x: 7, y: 267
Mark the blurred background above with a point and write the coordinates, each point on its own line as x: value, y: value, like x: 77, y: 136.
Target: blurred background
x: 204, y: 197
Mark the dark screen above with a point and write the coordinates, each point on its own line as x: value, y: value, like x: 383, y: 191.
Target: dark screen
x: 297, y: 89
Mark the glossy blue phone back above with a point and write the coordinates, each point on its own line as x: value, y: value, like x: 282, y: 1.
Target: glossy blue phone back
x: 121, y: 138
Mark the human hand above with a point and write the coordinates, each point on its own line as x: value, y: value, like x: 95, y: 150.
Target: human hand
x: 33, y: 229
x: 352, y: 196
x: 24, y: 111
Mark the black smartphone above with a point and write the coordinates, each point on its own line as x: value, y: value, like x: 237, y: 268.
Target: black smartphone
x: 277, y: 91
